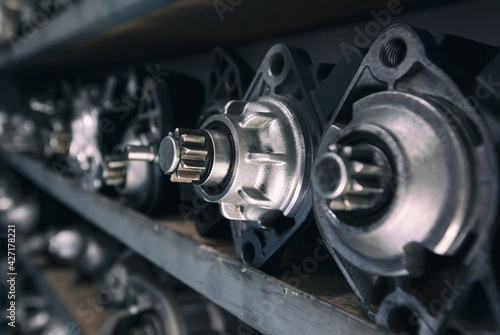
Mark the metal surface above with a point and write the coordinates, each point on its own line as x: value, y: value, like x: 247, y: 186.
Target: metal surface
x: 255, y: 158
x: 147, y: 304
x: 265, y: 303
x: 51, y: 111
x: 229, y: 79
x: 183, y: 155
x: 133, y: 166
x: 96, y: 122
x: 85, y: 155
x: 18, y: 206
x: 352, y: 177
x: 151, y: 309
x: 443, y: 188
x: 89, y: 251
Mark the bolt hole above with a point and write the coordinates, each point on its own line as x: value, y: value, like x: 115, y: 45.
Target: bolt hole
x: 403, y: 321
x: 277, y: 64
x: 248, y: 253
x: 394, y: 52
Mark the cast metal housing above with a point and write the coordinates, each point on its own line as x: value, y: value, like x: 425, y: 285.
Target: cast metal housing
x: 440, y: 188
x: 255, y: 159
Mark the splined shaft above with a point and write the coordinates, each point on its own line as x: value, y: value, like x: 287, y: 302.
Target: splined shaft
x: 352, y: 178
x: 183, y: 155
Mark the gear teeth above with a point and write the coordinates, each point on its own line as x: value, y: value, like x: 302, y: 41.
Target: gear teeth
x: 114, y: 170
x: 193, y: 156
x: 362, y: 177
x: 192, y: 139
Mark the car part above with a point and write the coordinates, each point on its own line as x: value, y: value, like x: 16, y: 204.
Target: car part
x: 97, y: 125
x: 18, y: 206
x: 133, y: 167
x: 143, y: 305
x: 229, y: 78
x: 87, y: 250
x: 254, y: 159
x: 21, y: 134
x: 115, y: 280
x: 52, y: 112
x: 406, y: 180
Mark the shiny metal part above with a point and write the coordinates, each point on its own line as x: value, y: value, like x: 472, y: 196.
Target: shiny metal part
x: 254, y: 158
x: 352, y: 178
x: 183, y: 155
x: 268, y: 162
x: 145, y: 153
x: 59, y: 142
x: 132, y: 167
x: 431, y: 176
x: 85, y: 155
x: 90, y: 252
x: 230, y: 76
x: 96, y: 127
x: 66, y: 245
x: 436, y: 182
x: 142, y: 304
x: 269, y: 159
x: 116, y: 166
x: 21, y: 134
x: 17, y: 207
x: 150, y: 309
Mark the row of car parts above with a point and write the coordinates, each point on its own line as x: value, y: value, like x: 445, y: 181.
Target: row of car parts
x: 137, y: 297
x: 392, y: 152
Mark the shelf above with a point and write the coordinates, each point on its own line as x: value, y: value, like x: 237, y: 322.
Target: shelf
x: 42, y: 279
x: 323, y: 305
x: 80, y: 21
x: 119, y: 32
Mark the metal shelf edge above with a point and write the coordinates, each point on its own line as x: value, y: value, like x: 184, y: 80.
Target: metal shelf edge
x: 263, y: 302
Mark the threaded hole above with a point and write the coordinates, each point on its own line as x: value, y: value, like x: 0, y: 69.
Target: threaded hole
x: 394, y: 52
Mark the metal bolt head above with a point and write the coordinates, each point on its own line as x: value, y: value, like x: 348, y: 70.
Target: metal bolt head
x: 169, y: 154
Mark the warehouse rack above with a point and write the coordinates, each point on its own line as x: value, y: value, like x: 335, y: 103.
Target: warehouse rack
x: 263, y: 302
x: 100, y: 33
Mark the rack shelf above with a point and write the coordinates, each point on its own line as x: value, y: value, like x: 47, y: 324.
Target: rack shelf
x: 119, y: 32
x: 209, y: 267
x: 41, y: 277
